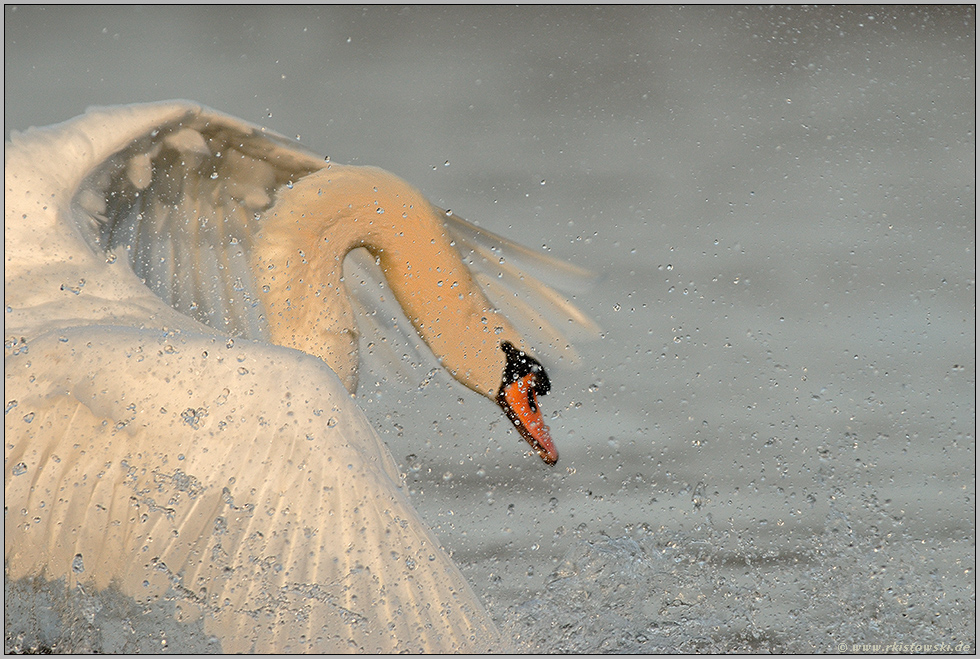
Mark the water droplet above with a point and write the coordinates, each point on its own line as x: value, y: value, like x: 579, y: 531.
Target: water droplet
x: 331, y: 422
x: 77, y: 565
x: 74, y: 289
x: 428, y: 378
x: 19, y: 469
x: 28, y: 417
x: 194, y: 418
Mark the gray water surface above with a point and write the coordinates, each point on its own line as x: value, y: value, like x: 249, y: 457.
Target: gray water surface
x: 773, y: 445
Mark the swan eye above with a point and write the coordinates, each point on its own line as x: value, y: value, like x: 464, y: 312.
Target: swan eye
x: 532, y: 399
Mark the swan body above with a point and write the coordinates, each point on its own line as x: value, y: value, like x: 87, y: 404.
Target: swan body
x: 179, y: 351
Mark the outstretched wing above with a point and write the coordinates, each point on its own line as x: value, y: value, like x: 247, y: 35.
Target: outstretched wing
x: 514, y: 277
x: 237, y: 480
x: 181, y: 203
x: 151, y: 206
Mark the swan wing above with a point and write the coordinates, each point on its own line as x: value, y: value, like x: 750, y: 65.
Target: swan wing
x: 235, y: 481
x: 514, y: 277
x: 171, y: 192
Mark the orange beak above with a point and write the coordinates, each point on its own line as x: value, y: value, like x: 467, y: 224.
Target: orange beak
x: 524, y: 379
x: 522, y: 408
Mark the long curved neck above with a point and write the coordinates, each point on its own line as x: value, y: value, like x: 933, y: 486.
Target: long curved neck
x: 299, y: 257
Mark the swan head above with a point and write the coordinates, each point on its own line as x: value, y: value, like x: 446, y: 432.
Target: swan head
x: 524, y: 380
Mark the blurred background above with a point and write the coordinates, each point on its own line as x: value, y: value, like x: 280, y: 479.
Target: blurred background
x: 772, y: 447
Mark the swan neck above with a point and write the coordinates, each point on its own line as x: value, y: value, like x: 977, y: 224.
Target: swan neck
x: 340, y: 208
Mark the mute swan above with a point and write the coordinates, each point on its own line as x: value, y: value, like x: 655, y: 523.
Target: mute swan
x: 163, y: 438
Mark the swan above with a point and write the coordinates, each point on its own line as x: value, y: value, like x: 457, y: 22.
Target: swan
x: 180, y: 350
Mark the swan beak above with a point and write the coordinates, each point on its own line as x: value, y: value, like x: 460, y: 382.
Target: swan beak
x: 520, y: 403
x: 524, y: 379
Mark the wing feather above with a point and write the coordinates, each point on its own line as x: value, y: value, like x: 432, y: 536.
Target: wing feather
x: 239, y: 483
x: 182, y: 199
